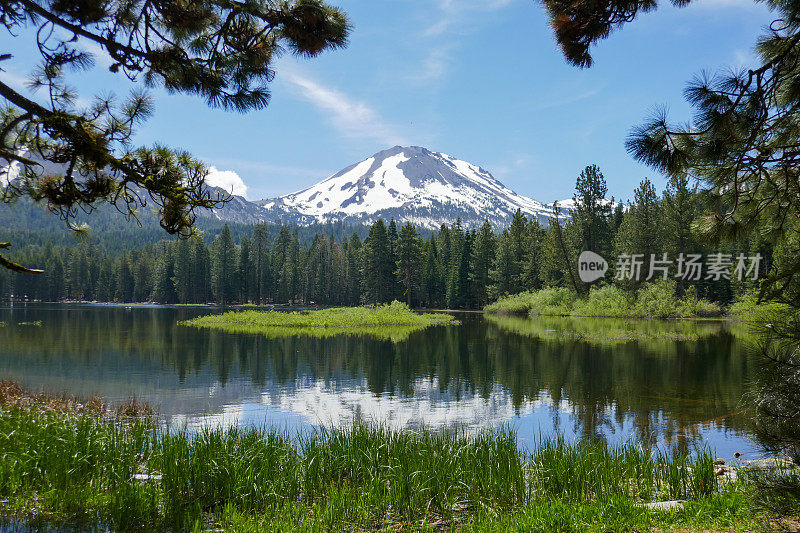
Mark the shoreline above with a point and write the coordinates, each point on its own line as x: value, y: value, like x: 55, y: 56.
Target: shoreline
x: 128, y: 474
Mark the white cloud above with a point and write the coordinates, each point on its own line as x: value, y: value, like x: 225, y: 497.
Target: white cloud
x: 228, y: 180
x: 352, y: 118
x: 267, y: 179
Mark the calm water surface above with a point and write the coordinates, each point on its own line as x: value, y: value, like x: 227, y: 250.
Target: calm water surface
x: 666, y: 382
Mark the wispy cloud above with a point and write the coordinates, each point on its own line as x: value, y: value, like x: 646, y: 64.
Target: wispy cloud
x: 557, y: 102
x: 452, y: 19
x: 511, y: 165
x: 352, y: 118
x: 454, y: 12
x: 435, y: 64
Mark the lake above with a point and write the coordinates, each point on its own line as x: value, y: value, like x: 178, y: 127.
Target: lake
x: 670, y: 383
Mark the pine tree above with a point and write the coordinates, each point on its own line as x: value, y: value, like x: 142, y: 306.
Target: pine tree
x: 592, y: 213
x: 201, y: 270
x: 483, y: 252
x: 222, y: 51
x: 125, y: 285
x: 183, y: 271
x: 680, y: 210
x: 518, y: 241
x: 280, y: 252
x: 142, y: 279
x: 393, y: 237
x: 354, y: 270
x: 223, y: 267
x: 532, y: 278
x: 291, y: 269
x: 105, y: 283
x: 263, y: 270
x: 379, y: 278
x: 453, y: 274
x: 561, y: 252
x: 163, y: 276
x: 245, y: 272
x: 54, y: 276
x: 503, y: 267
x: 641, y: 230
x: 432, y: 275
x: 318, y: 271
x: 409, y: 261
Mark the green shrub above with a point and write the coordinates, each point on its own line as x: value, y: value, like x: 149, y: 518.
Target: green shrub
x: 557, y: 301
x: 511, y: 304
x: 658, y: 300
x: 691, y: 306
x: 604, y: 301
x: 748, y: 309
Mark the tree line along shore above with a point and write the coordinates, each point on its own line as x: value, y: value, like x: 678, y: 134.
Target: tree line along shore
x: 455, y: 267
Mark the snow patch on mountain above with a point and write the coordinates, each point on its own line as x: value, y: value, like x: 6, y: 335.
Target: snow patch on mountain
x: 409, y: 184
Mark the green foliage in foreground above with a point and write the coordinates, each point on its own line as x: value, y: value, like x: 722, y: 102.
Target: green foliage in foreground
x: 392, y: 321
x: 653, y: 300
x: 82, y: 470
x: 749, y: 309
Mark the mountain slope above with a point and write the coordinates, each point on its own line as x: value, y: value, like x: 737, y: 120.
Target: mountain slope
x: 409, y: 184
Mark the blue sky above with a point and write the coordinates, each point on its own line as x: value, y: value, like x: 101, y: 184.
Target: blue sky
x: 481, y: 80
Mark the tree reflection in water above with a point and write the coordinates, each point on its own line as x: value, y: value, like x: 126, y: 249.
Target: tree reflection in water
x: 664, y: 381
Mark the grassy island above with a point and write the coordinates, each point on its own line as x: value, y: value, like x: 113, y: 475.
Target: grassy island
x: 64, y: 464
x: 386, y: 321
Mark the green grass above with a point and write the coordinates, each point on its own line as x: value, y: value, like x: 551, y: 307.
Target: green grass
x: 653, y: 300
x: 78, y: 469
x: 393, y: 321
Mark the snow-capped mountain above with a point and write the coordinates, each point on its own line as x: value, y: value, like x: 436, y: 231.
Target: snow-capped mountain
x: 409, y: 184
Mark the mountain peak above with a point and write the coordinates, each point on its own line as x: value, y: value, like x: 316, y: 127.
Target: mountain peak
x: 409, y: 184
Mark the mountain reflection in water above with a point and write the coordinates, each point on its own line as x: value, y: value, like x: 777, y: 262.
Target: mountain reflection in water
x: 663, y: 382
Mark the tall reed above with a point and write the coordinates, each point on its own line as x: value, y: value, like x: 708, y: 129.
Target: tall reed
x: 128, y: 476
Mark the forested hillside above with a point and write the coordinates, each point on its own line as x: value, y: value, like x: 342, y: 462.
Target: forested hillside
x: 455, y: 267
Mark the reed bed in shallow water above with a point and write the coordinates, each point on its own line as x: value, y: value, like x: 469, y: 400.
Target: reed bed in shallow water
x: 123, y: 474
